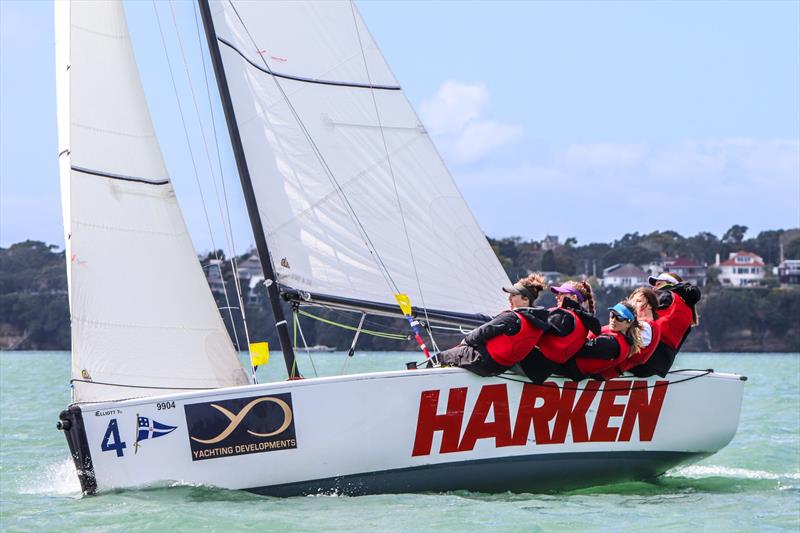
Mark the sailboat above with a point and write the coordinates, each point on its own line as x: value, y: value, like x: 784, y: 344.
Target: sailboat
x: 351, y: 208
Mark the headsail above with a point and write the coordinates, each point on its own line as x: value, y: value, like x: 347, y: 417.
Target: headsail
x: 354, y: 198
x: 143, y: 319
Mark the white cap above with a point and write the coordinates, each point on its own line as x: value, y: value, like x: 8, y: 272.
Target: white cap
x: 664, y: 276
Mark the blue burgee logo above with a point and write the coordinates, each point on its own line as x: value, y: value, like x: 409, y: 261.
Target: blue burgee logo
x: 150, y: 429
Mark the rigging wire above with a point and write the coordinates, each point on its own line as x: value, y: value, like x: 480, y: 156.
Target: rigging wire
x: 373, y: 333
x: 229, y: 227
x: 391, y: 173
x: 703, y: 373
x: 297, y: 327
x: 194, y: 168
x: 323, y: 162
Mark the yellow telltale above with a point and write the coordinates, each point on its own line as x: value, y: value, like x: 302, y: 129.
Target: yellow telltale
x: 404, y: 302
x: 259, y: 353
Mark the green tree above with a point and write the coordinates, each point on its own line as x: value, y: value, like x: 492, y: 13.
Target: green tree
x: 734, y: 235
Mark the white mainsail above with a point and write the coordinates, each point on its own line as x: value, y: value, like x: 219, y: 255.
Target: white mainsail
x: 341, y: 165
x: 143, y: 319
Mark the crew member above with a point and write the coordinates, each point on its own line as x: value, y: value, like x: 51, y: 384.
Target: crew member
x: 601, y: 355
x: 502, y: 342
x: 676, y: 316
x: 645, y: 300
x: 569, y: 324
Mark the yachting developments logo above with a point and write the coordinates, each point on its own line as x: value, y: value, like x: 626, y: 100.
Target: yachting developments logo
x: 240, y: 426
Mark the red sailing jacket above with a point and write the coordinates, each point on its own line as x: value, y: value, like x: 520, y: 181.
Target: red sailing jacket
x: 644, y: 354
x: 607, y: 368
x: 508, y: 350
x: 560, y: 349
x: 674, y: 321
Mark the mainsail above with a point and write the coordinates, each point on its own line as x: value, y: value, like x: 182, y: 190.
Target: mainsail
x: 143, y: 319
x: 354, y: 199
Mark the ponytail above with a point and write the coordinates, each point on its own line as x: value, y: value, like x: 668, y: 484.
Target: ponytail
x: 586, y: 290
x: 535, y: 283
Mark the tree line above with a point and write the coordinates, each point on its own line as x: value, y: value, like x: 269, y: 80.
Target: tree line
x: 34, y: 312
x: 518, y: 256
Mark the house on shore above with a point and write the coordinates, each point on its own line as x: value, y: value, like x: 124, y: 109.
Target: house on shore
x: 741, y: 269
x: 687, y: 268
x: 789, y: 272
x: 623, y: 275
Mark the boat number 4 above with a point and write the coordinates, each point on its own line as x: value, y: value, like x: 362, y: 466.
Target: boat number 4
x: 111, y: 440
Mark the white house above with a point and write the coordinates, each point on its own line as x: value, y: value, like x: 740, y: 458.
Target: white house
x: 741, y: 269
x: 623, y: 275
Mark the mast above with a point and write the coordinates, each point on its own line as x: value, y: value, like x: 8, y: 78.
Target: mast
x: 249, y: 195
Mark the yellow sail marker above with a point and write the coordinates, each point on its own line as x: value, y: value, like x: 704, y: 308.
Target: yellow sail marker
x: 404, y: 302
x: 259, y: 353
x: 405, y: 306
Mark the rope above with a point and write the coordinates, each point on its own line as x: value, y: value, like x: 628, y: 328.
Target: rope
x: 298, y: 327
x: 373, y: 333
x: 74, y: 380
x: 229, y: 227
x: 391, y: 173
x: 634, y: 387
x: 191, y: 156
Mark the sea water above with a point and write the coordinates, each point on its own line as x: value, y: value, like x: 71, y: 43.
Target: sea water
x: 751, y: 485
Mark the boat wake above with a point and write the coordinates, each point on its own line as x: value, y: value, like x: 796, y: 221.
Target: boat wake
x: 702, y: 471
x: 57, y: 478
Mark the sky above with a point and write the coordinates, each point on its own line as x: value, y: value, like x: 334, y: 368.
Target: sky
x: 576, y: 119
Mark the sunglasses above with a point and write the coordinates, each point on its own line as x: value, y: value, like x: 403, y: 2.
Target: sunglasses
x: 615, y: 316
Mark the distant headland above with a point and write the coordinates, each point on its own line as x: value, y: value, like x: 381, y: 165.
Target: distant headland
x: 751, y: 288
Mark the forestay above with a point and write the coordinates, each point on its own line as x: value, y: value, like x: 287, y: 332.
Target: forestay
x: 314, y: 101
x: 142, y: 314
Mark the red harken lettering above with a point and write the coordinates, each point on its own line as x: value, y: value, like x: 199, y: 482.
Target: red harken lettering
x: 541, y: 407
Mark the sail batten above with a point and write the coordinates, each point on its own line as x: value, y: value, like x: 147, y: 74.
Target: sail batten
x: 143, y: 319
x: 309, y: 80
x: 111, y: 175
x: 354, y: 199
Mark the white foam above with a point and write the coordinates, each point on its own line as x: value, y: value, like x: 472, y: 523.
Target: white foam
x: 58, y: 478
x: 702, y: 471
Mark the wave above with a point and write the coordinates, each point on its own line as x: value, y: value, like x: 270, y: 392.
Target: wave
x: 703, y: 471
x: 58, y: 478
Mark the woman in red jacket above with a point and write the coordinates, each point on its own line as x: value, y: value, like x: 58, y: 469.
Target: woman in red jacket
x: 502, y: 342
x: 645, y: 300
x: 601, y: 355
x: 568, y: 325
x: 676, y: 316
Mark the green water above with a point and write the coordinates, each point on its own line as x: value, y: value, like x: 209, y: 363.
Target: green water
x: 751, y: 485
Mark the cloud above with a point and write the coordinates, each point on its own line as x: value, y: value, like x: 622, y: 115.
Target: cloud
x: 604, y: 154
x: 689, y: 186
x: 455, y: 118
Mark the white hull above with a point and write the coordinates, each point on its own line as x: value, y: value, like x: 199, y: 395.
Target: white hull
x: 407, y: 431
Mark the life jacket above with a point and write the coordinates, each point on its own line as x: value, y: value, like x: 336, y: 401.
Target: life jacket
x: 644, y: 354
x: 675, y: 321
x: 560, y: 349
x: 607, y: 368
x: 508, y: 350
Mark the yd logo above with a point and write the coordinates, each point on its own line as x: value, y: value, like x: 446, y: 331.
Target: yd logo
x: 237, y: 419
x: 241, y: 426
